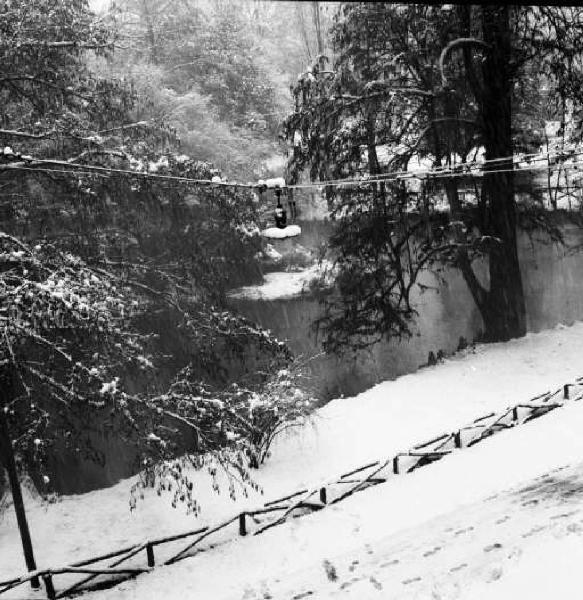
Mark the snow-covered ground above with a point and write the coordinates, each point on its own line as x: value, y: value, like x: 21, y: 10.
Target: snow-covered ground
x: 460, y: 528
x: 477, y: 524
x: 279, y: 285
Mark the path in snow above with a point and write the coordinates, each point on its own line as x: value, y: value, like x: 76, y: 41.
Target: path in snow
x: 460, y: 554
x: 457, y: 530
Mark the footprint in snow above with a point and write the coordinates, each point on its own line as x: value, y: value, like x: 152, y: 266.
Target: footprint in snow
x: 377, y: 584
x: 495, y: 546
x: 265, y: 593
x: 353, y: 565
x: 432, y: 552
x: 390, y: 563
x: 458, y: 568
x: 575, y: 528
x: 564, y: 515
x: 350, y: 582
x: 533, y: 531
x: 411, y: 580
x: 302, y: 595
x: 502, y: 520
x: 460, y: 531
x: 495, y: 574
x: 559, y: 469
x: 330, y: 570
x: 369, y: 550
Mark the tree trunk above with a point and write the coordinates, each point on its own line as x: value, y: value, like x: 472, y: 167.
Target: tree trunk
x: 318, y: 27
x: 7, y: 456
x: 463, y: 262
x: 151, y: 36
x: 505, y: 315
x: 303, y: 31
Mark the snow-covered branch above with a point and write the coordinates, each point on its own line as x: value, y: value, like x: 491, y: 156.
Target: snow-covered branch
x: 24, y: 134
x: 454, y: 44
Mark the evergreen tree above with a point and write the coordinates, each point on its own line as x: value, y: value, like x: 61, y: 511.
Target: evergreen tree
x: 425, y: 82
x: 201, y: 66
x: 114, y: 282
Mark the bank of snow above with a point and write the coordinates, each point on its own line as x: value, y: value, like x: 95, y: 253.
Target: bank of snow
x: 470, y: 526
x: 346, y: 433
x: 279, y: 285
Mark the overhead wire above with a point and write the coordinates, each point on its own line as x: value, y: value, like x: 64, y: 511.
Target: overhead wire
x: 462, y: 169
x: 458, y: 173
x: 91, y: 169
x: 448, y: 166
x: 447, y: 169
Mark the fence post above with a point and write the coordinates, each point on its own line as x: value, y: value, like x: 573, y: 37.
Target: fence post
x: 242, y: 524
x: 49, y: 587
x: 457, y: 439
x: 17, y: 501
x: 396, y: 465
x: 323, y: 497
x: 566, y: 391
x: 150, y: 554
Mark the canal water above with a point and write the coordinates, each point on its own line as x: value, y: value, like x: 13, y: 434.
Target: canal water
x: 553, y: 285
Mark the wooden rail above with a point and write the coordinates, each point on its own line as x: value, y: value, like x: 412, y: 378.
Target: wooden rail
x: 317, y: 498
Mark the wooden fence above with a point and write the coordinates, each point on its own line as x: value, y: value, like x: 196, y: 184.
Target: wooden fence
x: 276, y: 512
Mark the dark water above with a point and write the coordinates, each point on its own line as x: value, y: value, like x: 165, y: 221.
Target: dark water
x: 553, y: 284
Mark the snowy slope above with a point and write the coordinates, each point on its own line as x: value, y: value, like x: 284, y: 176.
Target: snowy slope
x: 456, y: 529
x: 346, y: 433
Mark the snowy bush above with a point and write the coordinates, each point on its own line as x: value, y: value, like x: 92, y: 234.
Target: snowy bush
x: 235, y: 429
x: 65, y: 340
x: 69, y: 348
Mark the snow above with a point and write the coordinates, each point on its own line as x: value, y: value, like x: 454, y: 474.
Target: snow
x: 532, y: 579
x: 277, y: 233
x: 275, y: 163
x: 271, y: 253
x: 449, y: 527
x: 418, y: 163
x: 480, y: 521
x: 162, y: 162
x: 447, y: 531
x: 275, y: 182
x: 247, y: 230
x: 279, y: 285
x: 109, y: 388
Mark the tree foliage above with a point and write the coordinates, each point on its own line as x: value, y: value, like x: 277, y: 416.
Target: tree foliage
x: 114, y: 282
x: 47, y: 90
x: 432, y: 84
x: 200, y: 67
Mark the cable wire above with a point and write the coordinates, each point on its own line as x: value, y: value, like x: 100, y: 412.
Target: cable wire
x: 463, y: 169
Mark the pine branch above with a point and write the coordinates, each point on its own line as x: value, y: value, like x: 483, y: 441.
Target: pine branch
x: 66, y: 91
